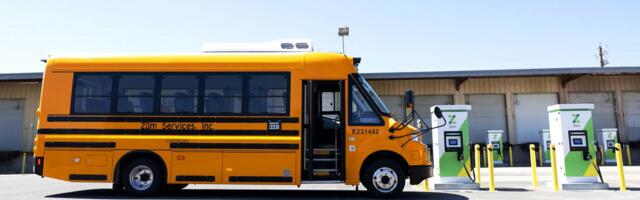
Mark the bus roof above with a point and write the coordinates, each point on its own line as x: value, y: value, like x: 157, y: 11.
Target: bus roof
x: 214, y: 61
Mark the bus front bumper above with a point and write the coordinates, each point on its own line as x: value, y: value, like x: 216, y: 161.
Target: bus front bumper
x: 418, y: 173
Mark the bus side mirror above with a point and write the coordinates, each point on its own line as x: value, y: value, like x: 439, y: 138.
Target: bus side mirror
x: 437, y: 112
x: 408, y: 99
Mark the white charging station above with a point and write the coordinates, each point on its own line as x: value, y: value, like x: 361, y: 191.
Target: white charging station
x: 494, y: 138
x: 572, y: 134
x: 451, y: 149
x: 545, y: 144
x: 608, y: 139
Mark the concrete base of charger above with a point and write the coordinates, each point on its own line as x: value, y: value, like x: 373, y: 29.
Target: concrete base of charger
x: 585, y: 186
x: 456, y: 186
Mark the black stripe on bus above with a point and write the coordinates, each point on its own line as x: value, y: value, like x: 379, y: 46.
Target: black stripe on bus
x: 76, y: 118
x: 279, y: 179
x: 81, y: 144
x: 168, y: 132
x: 196, y: 178
x: 232, y: 146
x: 88, y: 177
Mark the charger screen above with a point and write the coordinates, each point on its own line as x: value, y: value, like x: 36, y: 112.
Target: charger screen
x: 452, y: 142
x: 577, y: 141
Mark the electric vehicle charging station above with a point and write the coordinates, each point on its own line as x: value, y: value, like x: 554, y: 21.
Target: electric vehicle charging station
x: 452, y: 150
x: 494, y: 138
x: 609, y: 137
x: 545, y: 144
x: 571, y: 130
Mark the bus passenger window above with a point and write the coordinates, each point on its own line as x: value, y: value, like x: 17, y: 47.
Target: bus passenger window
x: 268, y: 94
x: 136, y: 94
x: 361, y: 113
x: 92, y: 93
x: 179, y: 94
x: 223, y: 94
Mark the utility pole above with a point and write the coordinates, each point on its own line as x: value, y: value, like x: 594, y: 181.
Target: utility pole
x: 601, y: 56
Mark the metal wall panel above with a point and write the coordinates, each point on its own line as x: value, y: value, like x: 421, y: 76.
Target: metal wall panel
x: 423, y: 106
x: 488, y: 112
x: 603, y: 115
x: 11, y: 116
x: 29, y: 92
x: 631, y: 102
x: 531, y: 115
x: 395, y: 105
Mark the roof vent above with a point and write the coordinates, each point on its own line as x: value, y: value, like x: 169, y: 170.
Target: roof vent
x: 288, y: 45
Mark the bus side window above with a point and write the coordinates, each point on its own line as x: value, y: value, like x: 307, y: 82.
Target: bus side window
x: 223, y: 94
x: 179, y: 94
x: 360, y: 112
x: 92, y: 93
x: 136, y: 94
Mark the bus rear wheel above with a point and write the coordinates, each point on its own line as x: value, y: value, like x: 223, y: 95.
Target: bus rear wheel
x: 143, y: 177
x: 384, y: 179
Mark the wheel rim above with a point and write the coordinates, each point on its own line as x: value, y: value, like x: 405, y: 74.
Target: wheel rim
x: 141, y: 177
x: 385, y: 179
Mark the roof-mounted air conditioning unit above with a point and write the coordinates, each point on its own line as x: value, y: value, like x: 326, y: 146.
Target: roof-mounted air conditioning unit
x: 288, y: 45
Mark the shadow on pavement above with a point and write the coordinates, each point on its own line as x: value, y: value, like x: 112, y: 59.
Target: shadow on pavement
x: 253, y: 194
x: 507, y: 189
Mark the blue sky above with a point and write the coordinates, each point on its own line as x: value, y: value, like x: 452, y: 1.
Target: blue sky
x: 389, y: 35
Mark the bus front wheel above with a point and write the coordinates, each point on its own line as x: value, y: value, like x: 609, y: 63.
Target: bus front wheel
x: 384, y: 178
x: 142, y: 176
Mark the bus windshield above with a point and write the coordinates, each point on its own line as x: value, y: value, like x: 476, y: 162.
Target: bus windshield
x: 376, y: 99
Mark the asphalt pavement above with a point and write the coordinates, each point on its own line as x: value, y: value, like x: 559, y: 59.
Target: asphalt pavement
x: 511, y: 183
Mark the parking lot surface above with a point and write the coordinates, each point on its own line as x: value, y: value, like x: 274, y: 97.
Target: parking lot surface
x: 511, y: 183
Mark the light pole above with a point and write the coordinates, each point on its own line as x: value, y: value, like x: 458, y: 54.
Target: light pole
x: 343, y: 31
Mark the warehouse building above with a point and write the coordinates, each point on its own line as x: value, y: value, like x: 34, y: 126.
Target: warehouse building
x: 19, y: 97
x: 514, y: 101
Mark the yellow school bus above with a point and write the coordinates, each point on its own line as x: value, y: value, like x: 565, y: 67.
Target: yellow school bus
x: 152, y: 123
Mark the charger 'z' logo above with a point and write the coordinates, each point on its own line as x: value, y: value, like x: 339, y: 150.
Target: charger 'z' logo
x: 576, y: 118
x: 452, y: 119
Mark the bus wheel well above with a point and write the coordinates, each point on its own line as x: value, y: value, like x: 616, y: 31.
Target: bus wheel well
x: 389, y: 155
x: 131, y: 155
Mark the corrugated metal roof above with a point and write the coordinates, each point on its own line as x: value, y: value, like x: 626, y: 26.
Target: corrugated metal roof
x: 32, y: 76
x: 36, y: 76
x: 504, y: 73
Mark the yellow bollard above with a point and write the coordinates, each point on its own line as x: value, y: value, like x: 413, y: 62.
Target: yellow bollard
x: 492, y: 184
x: 620, y: 163
x: 554, y: 169
x: 540, y: 156
x: 484, y: 153
x: 24, y: 161
x: 477, y: 162
x: 426, y: 184
x: 628, y: 154
x: 534, y: 171
x: 601, y: 156
x: 510, y: 156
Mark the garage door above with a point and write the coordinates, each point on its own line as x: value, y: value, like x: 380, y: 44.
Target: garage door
x: 631, y: 102
x: 11, y: 113
x: 395, y: 104
x: 603, y: 115
x: 423, y: 106
x: 531, y: 115
x: 488, y: 112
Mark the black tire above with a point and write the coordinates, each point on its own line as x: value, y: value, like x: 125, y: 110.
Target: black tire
x: 172, y: 188
x: 387, y: 183
x: 148, y: 173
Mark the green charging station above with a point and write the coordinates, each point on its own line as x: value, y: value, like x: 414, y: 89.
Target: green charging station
x: 545, y: 144
x: 609, y: 137
x: 494, y: 138
x: 452, y: 150
x: 572, y: 134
